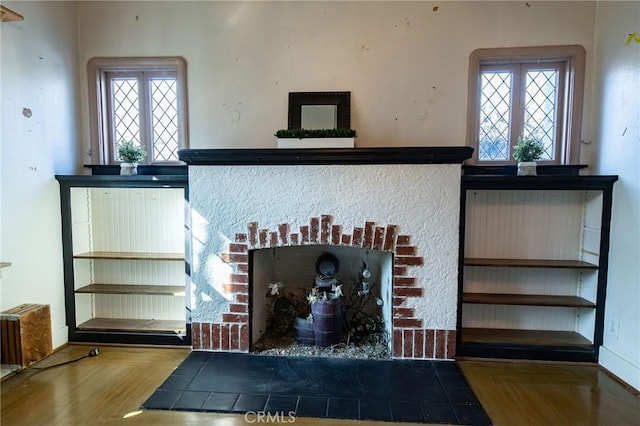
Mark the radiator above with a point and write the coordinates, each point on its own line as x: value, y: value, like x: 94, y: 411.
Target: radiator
x: 26, y: 334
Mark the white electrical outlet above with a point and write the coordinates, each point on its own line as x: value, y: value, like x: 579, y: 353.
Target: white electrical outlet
x: 614, y: 327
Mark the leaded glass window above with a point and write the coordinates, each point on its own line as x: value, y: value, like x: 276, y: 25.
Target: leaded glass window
x: 141, y: 100
x: 518, y: 100
x: 529, y: 92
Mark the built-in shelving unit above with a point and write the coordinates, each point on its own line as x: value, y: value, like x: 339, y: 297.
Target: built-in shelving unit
x: 124, y: 252
x: 533, y: 266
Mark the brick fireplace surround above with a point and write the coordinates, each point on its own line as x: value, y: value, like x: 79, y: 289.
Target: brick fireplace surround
x: 399, y: 200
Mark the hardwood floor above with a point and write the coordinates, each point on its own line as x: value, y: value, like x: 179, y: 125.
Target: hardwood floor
x: 514, y: 393
x: 109, y: 389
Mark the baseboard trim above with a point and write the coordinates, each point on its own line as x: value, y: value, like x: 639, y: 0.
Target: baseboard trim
x: 620, y: 369
x: 60, y: 336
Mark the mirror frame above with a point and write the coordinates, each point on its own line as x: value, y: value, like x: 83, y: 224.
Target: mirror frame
x: 342, y: 100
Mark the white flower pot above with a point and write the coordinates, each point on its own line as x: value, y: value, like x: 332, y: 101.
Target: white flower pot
x: 316, y: 143
x: 527, y: 168
x: 128, y: 169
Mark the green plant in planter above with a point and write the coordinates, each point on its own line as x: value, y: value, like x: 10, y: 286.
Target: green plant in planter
x: 528, y: 149
x: 129, y: 152
x: 315, y: 133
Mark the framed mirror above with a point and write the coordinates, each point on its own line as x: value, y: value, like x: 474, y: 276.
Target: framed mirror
x: 319, y: 110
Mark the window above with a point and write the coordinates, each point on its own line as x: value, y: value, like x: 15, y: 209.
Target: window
x: 141, y: 100
x: 535, y: 91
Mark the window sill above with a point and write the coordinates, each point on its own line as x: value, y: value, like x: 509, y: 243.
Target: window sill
x: 143, y: 169
x: 512, y: 169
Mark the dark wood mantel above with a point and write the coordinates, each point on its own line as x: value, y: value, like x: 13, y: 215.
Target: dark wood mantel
x: 270, y: 157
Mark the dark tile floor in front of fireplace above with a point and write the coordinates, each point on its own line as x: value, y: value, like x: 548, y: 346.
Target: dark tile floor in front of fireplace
x: 399, y: 390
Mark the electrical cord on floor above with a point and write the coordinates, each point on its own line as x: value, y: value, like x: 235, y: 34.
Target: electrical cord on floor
x: 93, y: 352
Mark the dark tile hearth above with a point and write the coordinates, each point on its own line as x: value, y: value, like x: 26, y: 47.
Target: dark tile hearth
x: 382, y: 390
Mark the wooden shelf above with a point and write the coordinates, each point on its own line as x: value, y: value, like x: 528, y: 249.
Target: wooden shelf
x: 527, y: 300
x: 134, y: 325
x: 524, y: 337
x: 123, y: 255
x: 8, y: 15
x: 529, y: 263
x: 160, y: 290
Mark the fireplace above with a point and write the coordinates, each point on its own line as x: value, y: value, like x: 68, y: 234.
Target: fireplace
x: 283, y: 281
x: 400, y: 203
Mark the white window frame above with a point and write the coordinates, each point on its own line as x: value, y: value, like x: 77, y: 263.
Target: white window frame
x: 98, y: 71
x: 569, y: 120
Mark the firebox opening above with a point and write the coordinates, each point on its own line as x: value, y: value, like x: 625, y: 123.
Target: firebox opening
x: 282, y: 280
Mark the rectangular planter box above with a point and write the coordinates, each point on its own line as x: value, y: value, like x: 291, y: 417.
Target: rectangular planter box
x: 316, y: 143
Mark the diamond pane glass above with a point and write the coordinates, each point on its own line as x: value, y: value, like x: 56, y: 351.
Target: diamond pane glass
x: 164, y: 118
x: 540, y: 109
x: 126, y: 114
x: 495, y: 115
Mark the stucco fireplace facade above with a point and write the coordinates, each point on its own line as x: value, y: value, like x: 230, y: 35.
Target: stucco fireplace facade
x: 400, y: 201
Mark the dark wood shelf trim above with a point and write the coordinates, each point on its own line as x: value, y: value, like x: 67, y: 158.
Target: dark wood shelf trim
x: 179, y: 171
x: 512, y: 169
x: 404, y: 155
x: 549, y: 182
x: 527, y: 300
x: 529, y: 263
x: 134, y: 325
x: 124, y: 255
x: 135, y: 289
x: 524, y: 337
x: 117, y: 181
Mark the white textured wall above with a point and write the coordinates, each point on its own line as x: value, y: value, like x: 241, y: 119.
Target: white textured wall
x: 405, y: 64
x: 423, y: 200
x: 38, y: 72
x: 618, y: 135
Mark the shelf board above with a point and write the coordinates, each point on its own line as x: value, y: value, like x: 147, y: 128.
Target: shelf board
x: 8, y: 15
x: 134, y: 325
x: 529, y: 263
x: 524, y: 337
x: 527, y: 299
x: 160, y: 290
x: 124, y: 255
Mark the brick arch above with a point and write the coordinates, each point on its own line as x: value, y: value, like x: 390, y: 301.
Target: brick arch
x: 232, y: 334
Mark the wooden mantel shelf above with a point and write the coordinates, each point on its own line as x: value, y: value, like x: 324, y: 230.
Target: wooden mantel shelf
x: 8, y: 15
x: 321, y: 156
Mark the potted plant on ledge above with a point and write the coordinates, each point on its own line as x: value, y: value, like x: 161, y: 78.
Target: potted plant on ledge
x: 130, y: 154
x: 526, y: 152
x: 315, y: 138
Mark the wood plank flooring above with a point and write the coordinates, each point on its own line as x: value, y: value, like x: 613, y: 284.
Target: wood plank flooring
x: 516, y: 393
x: 109, y: 389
